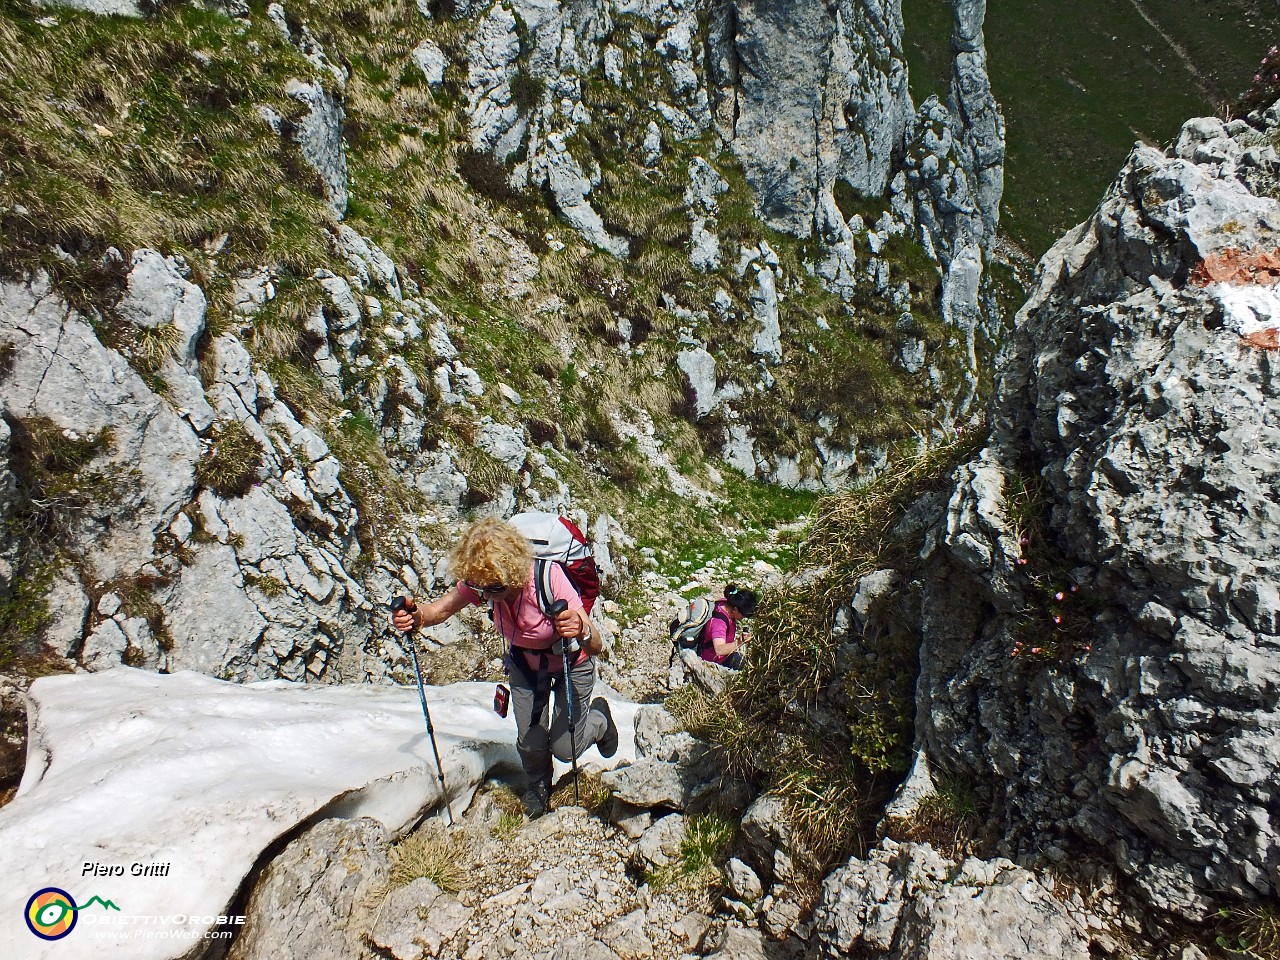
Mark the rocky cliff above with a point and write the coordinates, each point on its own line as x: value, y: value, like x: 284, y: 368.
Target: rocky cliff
x: 312, y: 284
x: 1098, y: 613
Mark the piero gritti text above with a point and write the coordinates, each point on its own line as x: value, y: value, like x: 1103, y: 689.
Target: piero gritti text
x: 93, y: 869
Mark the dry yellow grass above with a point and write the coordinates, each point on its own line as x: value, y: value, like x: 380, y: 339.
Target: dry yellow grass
x: 442, y: 856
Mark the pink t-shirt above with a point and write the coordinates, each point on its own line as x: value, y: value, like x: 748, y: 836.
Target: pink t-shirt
x: 522, y: 624
x: 720, y: 628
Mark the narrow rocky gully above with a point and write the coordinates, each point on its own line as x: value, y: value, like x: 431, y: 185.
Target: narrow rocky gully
x: 603, y: 878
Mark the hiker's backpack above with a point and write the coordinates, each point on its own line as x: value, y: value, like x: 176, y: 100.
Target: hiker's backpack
x: 687, y: 627
x: 556, y: 539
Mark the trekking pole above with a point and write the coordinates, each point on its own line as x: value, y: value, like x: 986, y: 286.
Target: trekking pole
x: 398, y: 604
x: 557, y: 608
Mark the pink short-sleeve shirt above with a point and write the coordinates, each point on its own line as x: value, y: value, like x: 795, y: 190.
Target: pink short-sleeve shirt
x: 521, y: 622
x: 719, y: 627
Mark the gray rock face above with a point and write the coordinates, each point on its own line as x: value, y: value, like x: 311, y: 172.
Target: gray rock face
x: 908, y: 903
x: 417, y: 920
x: 62, y: 373
x: 314, y: 898
x: 271, y: 563
x: 101, y: 8
x: 430, y: 59
x: 818, y: 92
x: 160, y: 300
x: 8, y: 489
x: 705, y: 185
x: 699, y: 367
x: 660, y: 844
x: 766, y: 838
x: 805, y: 95
x: 1140, y: 388
x: 570, y: 187
x: 319, y: 137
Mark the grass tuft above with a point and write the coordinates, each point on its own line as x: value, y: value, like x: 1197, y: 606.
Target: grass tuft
x: 442, y: 856
x: 697, y: 869
x: 593, y: 793
x: 948, y: 819
x: 232, y: 461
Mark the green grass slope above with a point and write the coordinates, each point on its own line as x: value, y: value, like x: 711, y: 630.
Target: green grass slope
x: 1080, y: 82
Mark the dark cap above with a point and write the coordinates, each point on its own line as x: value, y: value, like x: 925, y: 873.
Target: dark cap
x: 742, y: 600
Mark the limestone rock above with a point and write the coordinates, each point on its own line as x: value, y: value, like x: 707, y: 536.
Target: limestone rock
x: 312, y: 898
x: 790, y: 150
x: 767, y: 341
x: 740, y: 943
x: 371, y: 263
x: 570, y: 187
x: 62, y: 373
x: 496, y: 125
x: 319, y: 137
x: 158, y: 299
x: 417, y: 920
x: 660, y: 844
x: 430, y: 59
x: 626, y: 937
x: 700, y: 368
x: 1145, y: 394
x: 103, y: 8
x: 705, y: 185
x: 766, y: 838
x: 743, y: 882
x: 908, y: 902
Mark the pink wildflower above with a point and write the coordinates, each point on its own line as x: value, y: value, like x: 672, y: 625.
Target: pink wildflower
x: 1059, y: 596
x: 1022, y: 561
x: 1057, y: 619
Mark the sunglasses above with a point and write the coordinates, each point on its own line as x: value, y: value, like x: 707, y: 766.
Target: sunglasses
x: 493, y: 590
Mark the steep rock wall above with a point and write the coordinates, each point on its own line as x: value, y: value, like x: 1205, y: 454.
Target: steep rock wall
x: 810, y: 99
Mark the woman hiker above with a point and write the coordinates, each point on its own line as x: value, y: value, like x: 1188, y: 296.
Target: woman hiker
x: 494, y: 564
x: 720, y: 643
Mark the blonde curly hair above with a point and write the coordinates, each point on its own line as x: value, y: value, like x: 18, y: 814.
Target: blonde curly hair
x: 491, y: 552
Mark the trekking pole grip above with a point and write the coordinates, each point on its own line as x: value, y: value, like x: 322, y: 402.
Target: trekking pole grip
x: 554, y: 611
x: 401, y: 603
x: 557, y: 608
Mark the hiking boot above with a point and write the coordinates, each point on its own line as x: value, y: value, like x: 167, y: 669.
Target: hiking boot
x: 536, y: 798
x: 608, y: 742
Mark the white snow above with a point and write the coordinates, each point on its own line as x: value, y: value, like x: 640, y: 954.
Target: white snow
x: 128, y: 767
x: 1248, y: 308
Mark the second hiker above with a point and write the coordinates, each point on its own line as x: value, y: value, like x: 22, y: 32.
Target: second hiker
x: 494, y: 564
x: 720, y: 641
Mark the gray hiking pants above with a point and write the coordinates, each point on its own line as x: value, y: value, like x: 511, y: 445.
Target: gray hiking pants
x: 534, y: 740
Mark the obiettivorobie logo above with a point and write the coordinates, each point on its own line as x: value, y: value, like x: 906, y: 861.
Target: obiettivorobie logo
x: 51, y: 913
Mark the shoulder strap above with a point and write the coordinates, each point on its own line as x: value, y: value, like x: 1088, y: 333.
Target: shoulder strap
x: 542, y: 584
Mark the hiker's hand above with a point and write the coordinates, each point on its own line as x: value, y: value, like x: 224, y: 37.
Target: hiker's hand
x: 404, y: 620
x: 570, y: 624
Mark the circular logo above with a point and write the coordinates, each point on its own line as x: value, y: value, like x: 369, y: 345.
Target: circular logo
x: 51, y: 913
